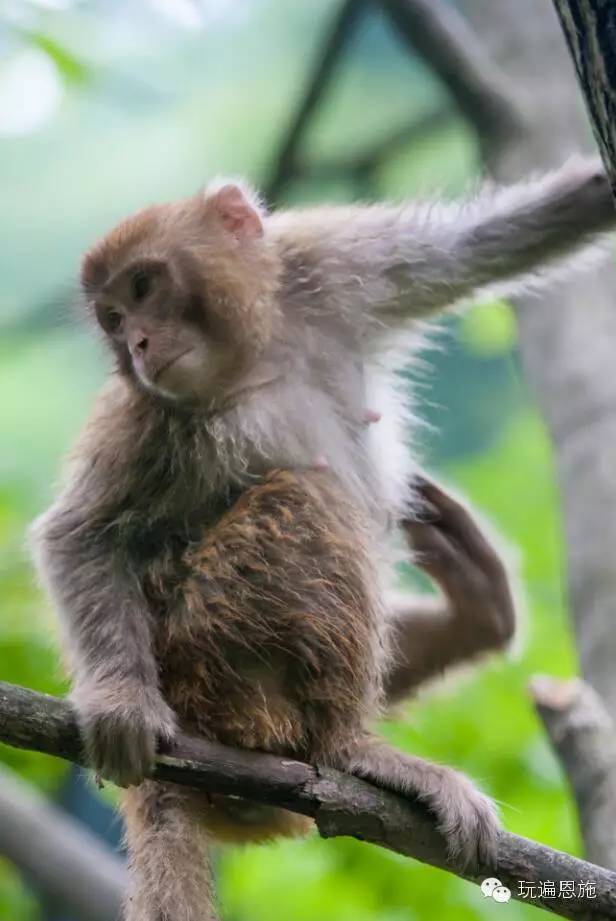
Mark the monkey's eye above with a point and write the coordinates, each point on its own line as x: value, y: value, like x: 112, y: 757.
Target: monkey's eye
x: 142, y: 285
x: 113, y: 321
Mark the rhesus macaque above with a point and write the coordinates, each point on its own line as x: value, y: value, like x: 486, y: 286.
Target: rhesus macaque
x: 206, y: 574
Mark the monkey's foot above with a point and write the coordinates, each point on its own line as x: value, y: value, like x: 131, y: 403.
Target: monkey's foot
x: 465, y: 817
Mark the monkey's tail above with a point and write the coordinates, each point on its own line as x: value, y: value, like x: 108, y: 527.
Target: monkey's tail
x: 169, y: 875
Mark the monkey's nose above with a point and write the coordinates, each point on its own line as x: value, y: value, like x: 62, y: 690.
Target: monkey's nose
x: 141, y: 345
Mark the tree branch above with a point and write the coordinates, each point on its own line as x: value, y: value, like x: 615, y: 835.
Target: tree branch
x: 583, y: 736
x: 339, y: 803
x: 336, y: 42
x: 362, y: 164
x: 443, y: 39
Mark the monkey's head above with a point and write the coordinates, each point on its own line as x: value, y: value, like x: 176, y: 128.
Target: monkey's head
x: 185, y: 293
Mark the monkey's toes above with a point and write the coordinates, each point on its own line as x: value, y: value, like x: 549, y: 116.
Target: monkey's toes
x: 468, y: 821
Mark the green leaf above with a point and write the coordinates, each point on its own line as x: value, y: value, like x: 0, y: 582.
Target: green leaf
x: 72, y: 68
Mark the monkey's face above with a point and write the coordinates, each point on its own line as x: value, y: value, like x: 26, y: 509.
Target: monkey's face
x: 162, y: 332
x: 183, y: 294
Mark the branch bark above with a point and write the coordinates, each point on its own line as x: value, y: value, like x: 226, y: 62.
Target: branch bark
x: 583, y: 737
x: 590, y: 30
x: 58, y: 855
x: 339, y: 803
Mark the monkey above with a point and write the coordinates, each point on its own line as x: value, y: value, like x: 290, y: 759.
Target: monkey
x: 210, y: 575
x: 370, y: 416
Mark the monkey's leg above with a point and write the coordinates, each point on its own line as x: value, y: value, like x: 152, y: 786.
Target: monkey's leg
x: 465, y: 817
x: 168, y: 867
x: 474, y: 614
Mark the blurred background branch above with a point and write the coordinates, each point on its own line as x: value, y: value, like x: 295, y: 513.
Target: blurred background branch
x: 443, y: 39
x: 584, y: 737
x: 65, y: 861
x: 362, y: 166
x: 337, y: 39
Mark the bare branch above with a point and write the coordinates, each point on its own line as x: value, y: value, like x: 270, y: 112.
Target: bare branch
x: 57, y: 854
x: 583, y: 736
x: 339, y: 803
x: 361, y: 165
x: 331, y: 53
x: 443, y: 39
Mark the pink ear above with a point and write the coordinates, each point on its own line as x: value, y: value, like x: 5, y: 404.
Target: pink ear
x: 236, y: 213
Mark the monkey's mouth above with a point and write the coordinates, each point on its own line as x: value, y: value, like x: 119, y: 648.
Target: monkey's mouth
x: 158, y: 372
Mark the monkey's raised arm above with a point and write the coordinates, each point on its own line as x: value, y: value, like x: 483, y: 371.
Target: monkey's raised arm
x: 411, y: 260
x: 106, y: 627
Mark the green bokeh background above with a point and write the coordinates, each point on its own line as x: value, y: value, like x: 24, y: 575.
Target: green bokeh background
x: 148, y: 109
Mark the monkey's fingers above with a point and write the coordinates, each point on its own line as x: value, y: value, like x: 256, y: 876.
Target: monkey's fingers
x: 122, y: 754
x: 436, y: 554
x: 480, y: 596
x: 458, y: 523
x: 121, y: 742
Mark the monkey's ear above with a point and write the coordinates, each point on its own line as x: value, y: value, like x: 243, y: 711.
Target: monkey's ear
x: 238, y: 212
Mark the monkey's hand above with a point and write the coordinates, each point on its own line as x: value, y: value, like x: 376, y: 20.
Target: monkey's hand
x: 122, y: 731
x: 452, y: 549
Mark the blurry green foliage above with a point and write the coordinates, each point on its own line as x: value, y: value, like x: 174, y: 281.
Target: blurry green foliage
x: 217, y: 100
x: 489, y: 329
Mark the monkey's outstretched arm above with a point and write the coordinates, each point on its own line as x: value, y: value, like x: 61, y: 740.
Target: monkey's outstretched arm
x: 106, y: 626
x: 474, y: 614
x: 396, y: 263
